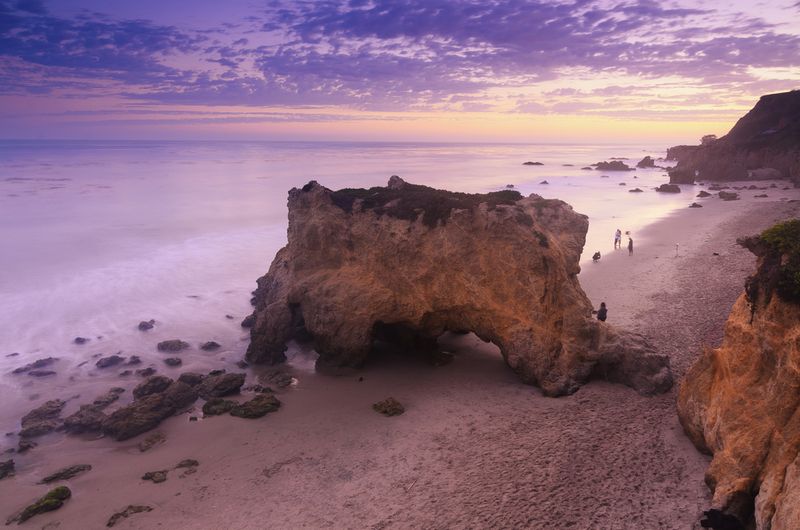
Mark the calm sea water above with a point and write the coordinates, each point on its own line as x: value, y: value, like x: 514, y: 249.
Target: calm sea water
x: 96, y: 236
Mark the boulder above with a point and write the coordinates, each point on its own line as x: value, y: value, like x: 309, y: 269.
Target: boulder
x: 35, y: 365
x: 146, y: 325
x: 703, y: 193
x: 53, y: 500
x: 646, y: 162
x: 210, y: 346
x: 220, y: 385
x: 133, y: 360
x: 107, y: 362
x: 614, y: 165
x: 147, y: 412
x: 257, y: 407
x: 42, y: 420
x: 248, y: 321
x: 146, y: 372
x: 669, y: 188
x: 218, y: 406
x: 80, y: 340
x: 389, y: 407
x: 90, y: 417
x: 741, y: 402
x: 695, y: 205
x: 191, y: 378
x: 728, y: 196
x: 156, y: 477
x: 152, y: 385
x: 407, y: 259
x: 41, y: 373
x: 173, y: 345
x: 173, y: 361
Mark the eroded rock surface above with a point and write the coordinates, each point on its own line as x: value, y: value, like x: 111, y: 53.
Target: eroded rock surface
x: 408, y: 263
x: 741, y: 401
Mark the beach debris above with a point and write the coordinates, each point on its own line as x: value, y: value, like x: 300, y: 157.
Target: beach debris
x: 389, y: 407
x: 172, y: 345
x: 42, y: 419
x: 257, y: 407
x: 152, y: 440
x: 728, y: 196
x: 7, y: 469
x: 532, y: 163
x: 35, y: 365
x: 635, y: 190
x: 218, y: 406
x: 156, y: 477
x: 147, y: 412
x: 53, y: 500
x: 146, y: 325
x: 127, y: 512
x: 249, y: 321
x: 173, y: 361
x: 210, y: 346
x: 111, y: 360
x: 221, y: 385
x: 191, y: 378
x: 80, y: 340
x: 66, y: 473
x: 146, y: 372
x: 695, y: 205
x: 669, y: 188
x: 152, y: 385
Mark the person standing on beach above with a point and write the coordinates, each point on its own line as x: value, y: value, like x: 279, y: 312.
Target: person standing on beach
x: 602, y: 313
x: 630, y: 246
x: 618, y: 239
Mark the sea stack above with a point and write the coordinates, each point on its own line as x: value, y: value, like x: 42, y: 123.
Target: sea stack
x: 408, y: 262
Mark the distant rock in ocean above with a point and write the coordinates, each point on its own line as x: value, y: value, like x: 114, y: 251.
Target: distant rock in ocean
x: 740, y: 401
x: 646, y: 162
x: 405, y: 263
x: 764, y: 144
x: 614, y: 165
x: 532, y: 164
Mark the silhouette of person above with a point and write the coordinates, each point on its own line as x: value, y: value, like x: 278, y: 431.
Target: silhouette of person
x: 630, y: 246
x: 617, y: 239
x: 596, y: 257
x: 602, y: 313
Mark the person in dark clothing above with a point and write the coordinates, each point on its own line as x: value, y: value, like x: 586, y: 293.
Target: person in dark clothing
x: 596, y: 257
x: 630, y: 246
x: 602, y: 313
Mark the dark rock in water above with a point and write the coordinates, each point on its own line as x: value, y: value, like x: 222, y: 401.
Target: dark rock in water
x: 80, y: 340
x: 89, y: 418
x: 218, y: 371
x: 249, y: 321
x: 25, y: 445
x: 509, y: 186
x: 66, y: 473
x: 614, y: 165
x: 39, y: 363
x: 189, y: 462
x: 133, y: 360
x: 145, y: 325
x: 127, y: 512
x: 218, y: 406
x: 229, y: 317
x: 532, y: 164
x: 695, y: 205
x: 389, y: 407
x: 717, y: 187
x: 761, y: 196
x: 41, y: 373
x: 728, y: 196
x: 242, y: 364
x: 703, y: 193
x: 669, y: 188
x: 278, y: 378
x: 646, y: 162
x: 681, y: 176
x: 156, y: 476
x: 221, y: 385
x: 210, y: 346
x: 173, y: 345
x: 604, y: 176
x: 587, y: 168
x: 173, y: 361
x: 15, y: 354
x: 6, y: 469
x: 719, y: 520
x: 107, y: 362
x: 191, y: 378
x: 635, y: 190
x: 146, y: 372
x: 147, y: 412
x: 152, y: 385
x: 53, y: 500
x: 152, y: 440
x: 258, y: 389
x: 568, y: 165
x: 125, y: 373
x: 256, y: 407
x: 544, y: 182
x: 622, y: 184
x: 42, y: 420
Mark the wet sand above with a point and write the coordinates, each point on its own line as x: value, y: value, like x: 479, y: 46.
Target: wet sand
x: 474, y: 449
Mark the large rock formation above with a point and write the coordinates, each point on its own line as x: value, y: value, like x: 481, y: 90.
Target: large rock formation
x: 764, y: 144
x: 408, y: 262
x: 741, y: 402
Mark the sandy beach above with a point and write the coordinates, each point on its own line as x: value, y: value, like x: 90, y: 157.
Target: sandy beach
x: 475, y: 447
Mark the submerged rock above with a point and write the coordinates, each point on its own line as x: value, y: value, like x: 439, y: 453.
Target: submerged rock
x: 41, y: 373
x: 127, y: 512
x: 66, y: 473
x: 210, y: 346
x: 411, y: 260
x: 257, y: 407
x: 695, y: 205
x: 35, y: 365
x: 646, y: 162
x: 173, y: 345
x: 107, y: 362
x: 728, y: 196
x: 42, y: 420
x: 740, y: 401
x: 80, y: 340
x: 6, y: 469
x: 389, y: 407
x: 532, y: 164
x: 53, y: 500
x: 146, y: 325
x: 146, y: 372
x: 703, y: 193
x: 614, y: 165
x: 669, y: 188
x: 173, y: 361
x: 635, y: 190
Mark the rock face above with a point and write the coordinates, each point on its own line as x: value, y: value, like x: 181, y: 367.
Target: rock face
x: 407, y: 263
x: 741, y: 401
x: 646, y: 162
x: 764, y: 143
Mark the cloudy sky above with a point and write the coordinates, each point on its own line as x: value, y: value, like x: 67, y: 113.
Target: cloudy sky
x: 446, y: 70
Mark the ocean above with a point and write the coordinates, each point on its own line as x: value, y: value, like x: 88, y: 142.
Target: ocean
x: 96, y: 236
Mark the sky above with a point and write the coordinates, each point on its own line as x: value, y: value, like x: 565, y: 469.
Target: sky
x: 381, y: 70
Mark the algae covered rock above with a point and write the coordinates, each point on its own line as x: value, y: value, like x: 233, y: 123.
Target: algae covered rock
x: 66, y: 473
x: 152, y: 385
x: 152, y: 440
x: 173, y: 345
x: 127, y: 512
x: 148, y: 412
x: 220, y: 385
x: 7, y: 469
x: 257, y: 407
x: 218, y: 406
x: 53, y: 500
x: 42, y: 420
x: 156, y: 477
x: 389, y: 407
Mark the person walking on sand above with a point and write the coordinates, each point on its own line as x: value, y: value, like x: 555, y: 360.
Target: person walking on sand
x: 618, y: 239
x: 602, y: 313
x: 630, y: 246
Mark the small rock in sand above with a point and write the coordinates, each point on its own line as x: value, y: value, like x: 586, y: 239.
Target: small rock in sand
x: 728, y: 196
x: 703, y: 193
x: 152, y: 440
x: 53, y: 500
x: 695, y: 205
x: 145, y: 325
x: 257, y: 407
x: 107, y: 362
x: 544, y: 182
x: 173, y: 345
x: 210, y: 346
x: 189, y: 462
x: 156, y: 476
x: 127, y: 512
x: 66, y: 473
x: 389, y: 407
x: 173, y: 361
x: 6, y: 469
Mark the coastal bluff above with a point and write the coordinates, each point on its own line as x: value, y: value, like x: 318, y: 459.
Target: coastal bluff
x: 763, y: 144
x: 741, y: 401
x: 406, y: 263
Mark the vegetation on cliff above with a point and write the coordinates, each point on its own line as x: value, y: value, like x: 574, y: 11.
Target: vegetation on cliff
x: 779, y: 248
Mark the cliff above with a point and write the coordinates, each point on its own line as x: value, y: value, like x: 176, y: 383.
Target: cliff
x: 764, y: 143
x: 407, y: 263
x: 741, y: 402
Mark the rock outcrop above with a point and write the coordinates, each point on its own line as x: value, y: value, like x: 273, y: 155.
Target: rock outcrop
x: 764, y: 144
x: 741, y: 401
x: 406, y: 263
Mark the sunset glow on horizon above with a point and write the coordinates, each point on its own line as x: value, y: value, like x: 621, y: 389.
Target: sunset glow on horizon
x: 461, y: 71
